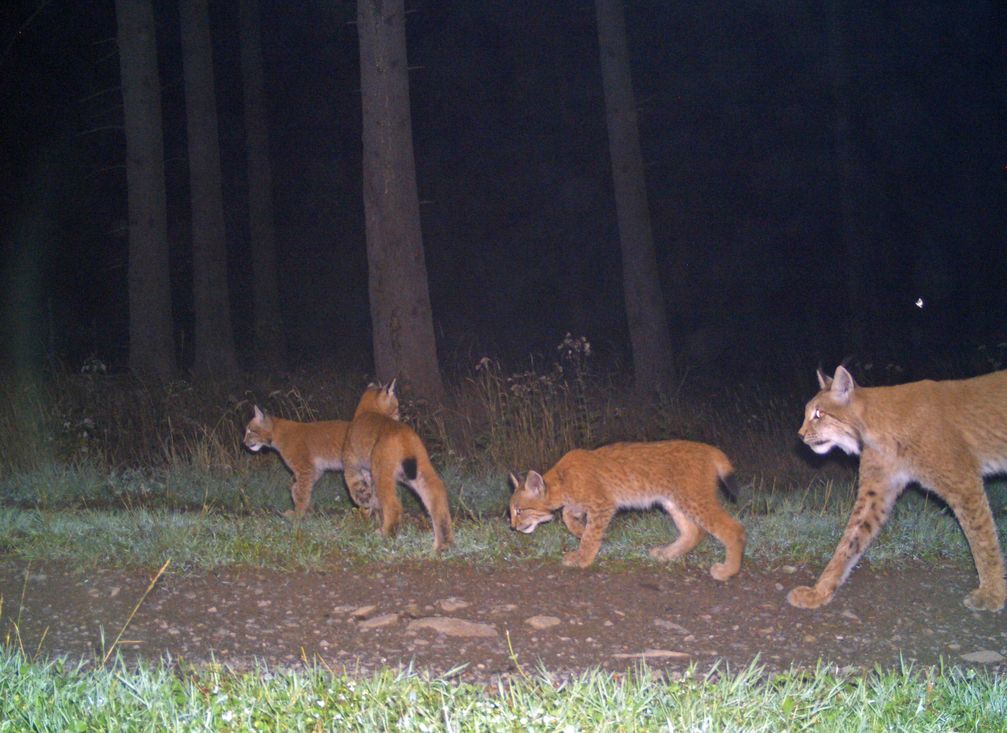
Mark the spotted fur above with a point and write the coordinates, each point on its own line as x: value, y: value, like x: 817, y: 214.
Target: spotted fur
x: 944, y: 435
x: 679, y: 476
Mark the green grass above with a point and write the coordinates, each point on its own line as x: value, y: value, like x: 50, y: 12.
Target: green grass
x: 57, y: 696
x: 792, y: 532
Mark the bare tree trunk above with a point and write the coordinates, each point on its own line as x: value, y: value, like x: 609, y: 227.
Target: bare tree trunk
x: 270, y: 342
x: 850, y: 232
x: 151, y: 343
x: 648, y: 322
x: 401, y: 319
x: 214, y: 340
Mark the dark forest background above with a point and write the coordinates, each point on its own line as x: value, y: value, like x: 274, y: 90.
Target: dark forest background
x: 738, y: 110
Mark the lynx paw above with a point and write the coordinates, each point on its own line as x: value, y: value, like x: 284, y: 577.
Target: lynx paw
x: 720, y: 571
x: 806, y: 597
x: 984, y: 600
x: 573, y: 559
x: 293, y: 515
x: 663, y: 552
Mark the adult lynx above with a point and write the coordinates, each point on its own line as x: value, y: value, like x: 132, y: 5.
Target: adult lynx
x: 678, y: 475
x: 944, y: 435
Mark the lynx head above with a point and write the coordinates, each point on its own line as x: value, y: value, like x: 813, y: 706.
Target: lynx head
x: 259, y: 432
x: 830, y: 418
x: 381, y: 400
x: 528, y: 506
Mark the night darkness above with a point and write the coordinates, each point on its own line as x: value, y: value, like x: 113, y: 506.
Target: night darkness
x: 737, y: 123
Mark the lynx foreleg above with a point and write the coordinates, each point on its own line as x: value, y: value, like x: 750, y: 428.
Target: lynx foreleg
x: 300, y: 493
x: 875, y: 499
x: 575, y: 521
x: 590, y: 541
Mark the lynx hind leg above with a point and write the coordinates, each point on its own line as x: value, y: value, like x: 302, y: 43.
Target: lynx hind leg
x: 689, y: 535
x: 434, y: 496
x: 731, y: 534
x: 575, y: 521
x: 972, y: 509
x: 361, y: 489
x: 386, y: 499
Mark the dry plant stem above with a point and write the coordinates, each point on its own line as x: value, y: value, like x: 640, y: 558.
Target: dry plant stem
x: 513, y: 657
x: 136, y: 608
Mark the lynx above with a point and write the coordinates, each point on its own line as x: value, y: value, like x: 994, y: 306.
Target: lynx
x: 678, y: 475
x: 380, y: 452
x: 944, y: 435
x: 308, y: 449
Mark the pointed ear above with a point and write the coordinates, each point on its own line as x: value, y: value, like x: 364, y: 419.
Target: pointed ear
x: 390, y: 389
x: 842, y: 385
x: 534, y: 483
x: 824, y: 380
x: 515, y: 482
x: 258, y: 414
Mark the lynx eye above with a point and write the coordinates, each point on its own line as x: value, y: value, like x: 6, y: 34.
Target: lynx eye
x: 817, y: 414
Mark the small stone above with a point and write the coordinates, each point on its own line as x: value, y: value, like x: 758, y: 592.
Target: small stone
x: 542, y: 622
x: 985, y: 656
x: 452, y: 604
x: 670, y: 626
x: 809, y: 639
x: 362, y: 612
x: 385, y: 619
x: 789, y: 569
x: 114, y: 592
x: 211, y: 609
x: 847, y: 613
x: 453, y: 626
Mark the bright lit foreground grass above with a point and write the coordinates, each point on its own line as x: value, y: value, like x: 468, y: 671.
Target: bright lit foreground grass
x: 57, y: 696
x: 789, y: 533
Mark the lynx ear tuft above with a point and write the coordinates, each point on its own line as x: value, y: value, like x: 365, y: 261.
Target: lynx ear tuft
x: 534, y: 483
x: 842, y: 385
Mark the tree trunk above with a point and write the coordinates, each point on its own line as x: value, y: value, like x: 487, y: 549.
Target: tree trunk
x: 401, y: 320
x: 151, y: 342
x: 213, y: 338
x: 648, y: 322
x: 270, y: 342
x: 850, y: 231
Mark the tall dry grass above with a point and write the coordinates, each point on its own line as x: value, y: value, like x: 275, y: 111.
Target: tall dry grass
x: 156, y: 440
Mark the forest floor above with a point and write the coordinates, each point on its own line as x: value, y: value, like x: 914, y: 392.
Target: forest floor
x: 483, y: 623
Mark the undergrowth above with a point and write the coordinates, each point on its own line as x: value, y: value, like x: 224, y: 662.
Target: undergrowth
x: 98, y: 440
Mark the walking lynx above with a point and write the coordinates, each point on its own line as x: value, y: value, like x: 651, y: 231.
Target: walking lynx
x: 944, y: 435
x: 308, y: 449
x: 678, y: 475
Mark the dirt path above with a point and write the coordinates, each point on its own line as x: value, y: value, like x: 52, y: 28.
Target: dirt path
x: 364, y: 618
